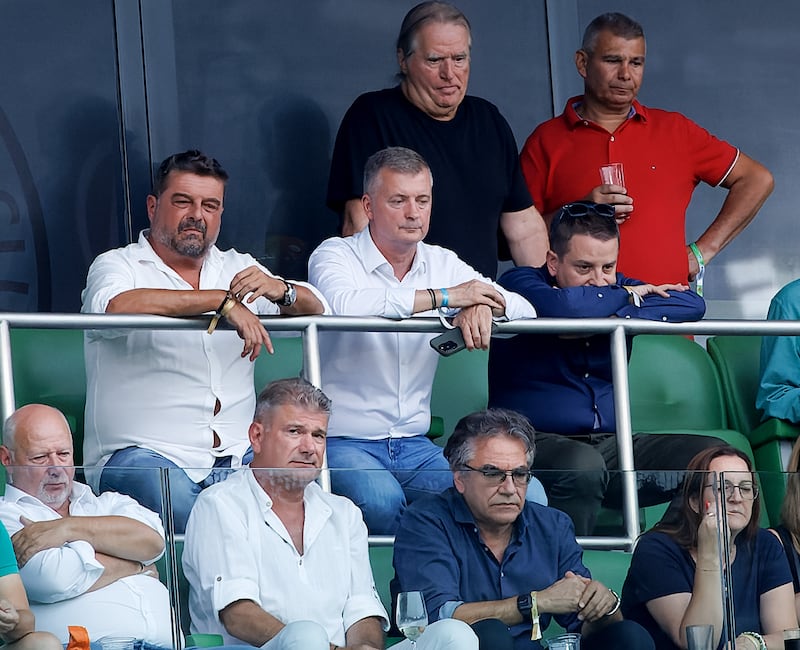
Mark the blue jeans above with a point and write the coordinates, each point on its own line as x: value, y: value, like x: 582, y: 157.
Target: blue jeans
x: 416, y: 468
x: 134, y: 471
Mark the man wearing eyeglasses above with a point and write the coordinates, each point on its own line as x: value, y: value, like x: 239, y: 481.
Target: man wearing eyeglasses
x: 563, y: 383
x: 481, y: 554
x: 665, y: 155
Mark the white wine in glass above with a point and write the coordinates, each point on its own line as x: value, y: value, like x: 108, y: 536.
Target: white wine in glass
x: 412, y: 617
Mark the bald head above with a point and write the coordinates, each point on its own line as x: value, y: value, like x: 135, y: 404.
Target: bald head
x: 34, y: 420
x: 37, y: 453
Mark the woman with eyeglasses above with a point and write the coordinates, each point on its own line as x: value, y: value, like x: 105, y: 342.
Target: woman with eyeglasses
x: 676, y: 574
x: 789, y: 530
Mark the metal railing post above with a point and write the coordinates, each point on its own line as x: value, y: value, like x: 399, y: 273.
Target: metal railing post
x: 619, y: 374
x: 7, y: 404
x: 312, y: 370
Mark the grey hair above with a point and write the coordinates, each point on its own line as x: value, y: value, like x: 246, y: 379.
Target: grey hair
x: 616, y: 23
x: 10, y: 431
x: 294, y: 391
x: 397, y: 159
x: 432, y: 11
x: 460, y: 448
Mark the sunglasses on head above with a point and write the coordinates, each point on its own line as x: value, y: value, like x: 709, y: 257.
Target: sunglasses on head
x: 585, y: 208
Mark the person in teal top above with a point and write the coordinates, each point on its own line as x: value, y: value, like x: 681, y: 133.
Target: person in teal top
x: 779, y: 390
x: 16, y: 618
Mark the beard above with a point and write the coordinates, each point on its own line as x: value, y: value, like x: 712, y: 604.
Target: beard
x: 193, y: 245
x: 289, y: 479
x: 51, y: 499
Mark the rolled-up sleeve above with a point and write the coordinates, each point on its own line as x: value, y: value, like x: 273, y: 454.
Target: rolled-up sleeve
x: 334, y: 269
x: 363, y: 600
x: 108, y: 277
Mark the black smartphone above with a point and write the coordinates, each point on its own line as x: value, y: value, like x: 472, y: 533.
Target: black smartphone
x: 452, y: 341
x: 448, y: 342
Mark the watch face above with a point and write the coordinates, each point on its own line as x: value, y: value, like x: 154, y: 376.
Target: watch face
x: 290, y: 296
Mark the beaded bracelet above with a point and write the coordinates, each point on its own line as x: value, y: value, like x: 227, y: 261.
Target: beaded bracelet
x: 756, y: 638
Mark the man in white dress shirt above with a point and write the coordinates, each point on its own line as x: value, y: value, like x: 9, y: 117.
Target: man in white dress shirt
x: 274, y: 561
x: 84, y: 560
x: 381, y: 383
x: 180, y: 400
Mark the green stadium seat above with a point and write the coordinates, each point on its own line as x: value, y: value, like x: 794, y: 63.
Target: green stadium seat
x: 674, y: 389
x: 461, y: 386
x: 48, y: 368
x: 737, y: 359
x: 286, y: 362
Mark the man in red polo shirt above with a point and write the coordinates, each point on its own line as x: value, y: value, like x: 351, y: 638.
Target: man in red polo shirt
x: 664, y: 156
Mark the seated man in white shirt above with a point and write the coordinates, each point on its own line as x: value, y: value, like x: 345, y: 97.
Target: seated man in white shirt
x: 274, y: 561
x: 84, y: 560
x: 17, y: 622
x: 381, y: 382
x: 180, y: 400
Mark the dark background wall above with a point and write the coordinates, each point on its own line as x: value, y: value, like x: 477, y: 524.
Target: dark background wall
x: 95, y: 92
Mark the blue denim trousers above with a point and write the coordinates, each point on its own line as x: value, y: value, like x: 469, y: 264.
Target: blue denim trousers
x: 134, y: 471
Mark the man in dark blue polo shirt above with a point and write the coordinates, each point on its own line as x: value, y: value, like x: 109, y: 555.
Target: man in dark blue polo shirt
x: 563, y: 384
x: 482, y: 554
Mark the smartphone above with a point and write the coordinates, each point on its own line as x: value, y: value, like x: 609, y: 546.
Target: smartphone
x: 448, y: 342
x: 451, y: 341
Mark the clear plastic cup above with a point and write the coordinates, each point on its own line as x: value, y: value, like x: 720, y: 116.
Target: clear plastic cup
x: 612, y: 174
x: 118, y: 643
x: 570, y: 641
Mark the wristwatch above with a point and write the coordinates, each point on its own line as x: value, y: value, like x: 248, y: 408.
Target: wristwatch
x: 524, y: 605
x: 289, y: 296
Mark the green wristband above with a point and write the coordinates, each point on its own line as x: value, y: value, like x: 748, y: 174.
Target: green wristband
x: 702, y: 264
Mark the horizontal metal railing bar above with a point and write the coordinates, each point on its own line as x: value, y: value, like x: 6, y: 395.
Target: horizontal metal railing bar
x: 310, y: 326
x: 374, y: 324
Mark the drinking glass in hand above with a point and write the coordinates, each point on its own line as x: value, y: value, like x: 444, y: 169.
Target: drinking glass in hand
x: 412, y: 618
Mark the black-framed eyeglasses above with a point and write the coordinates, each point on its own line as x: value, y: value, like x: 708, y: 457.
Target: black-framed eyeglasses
x: 520, y: 475
x: 747, y: 489
x: 585, y: 208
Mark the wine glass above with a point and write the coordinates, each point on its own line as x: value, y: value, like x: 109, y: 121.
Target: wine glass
x: 412, y: 617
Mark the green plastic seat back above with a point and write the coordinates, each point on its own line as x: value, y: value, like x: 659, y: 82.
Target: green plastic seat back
x: 49, y: 369
x: 738, y: 359
x: 461, y: 386
x: 673, y: 386
x: 286, y: 362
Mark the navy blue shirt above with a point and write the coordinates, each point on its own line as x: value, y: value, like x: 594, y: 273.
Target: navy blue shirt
x: 438, y: 551
x: 563, y: 384
x: 660, y: 567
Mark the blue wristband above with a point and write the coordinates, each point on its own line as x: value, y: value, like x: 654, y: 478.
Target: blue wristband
x: 445, y: 297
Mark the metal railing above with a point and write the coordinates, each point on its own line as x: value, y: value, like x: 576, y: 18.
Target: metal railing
x: 310, y: 326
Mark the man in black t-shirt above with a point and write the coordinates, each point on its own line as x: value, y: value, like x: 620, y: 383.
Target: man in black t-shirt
x: 467, y: 143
